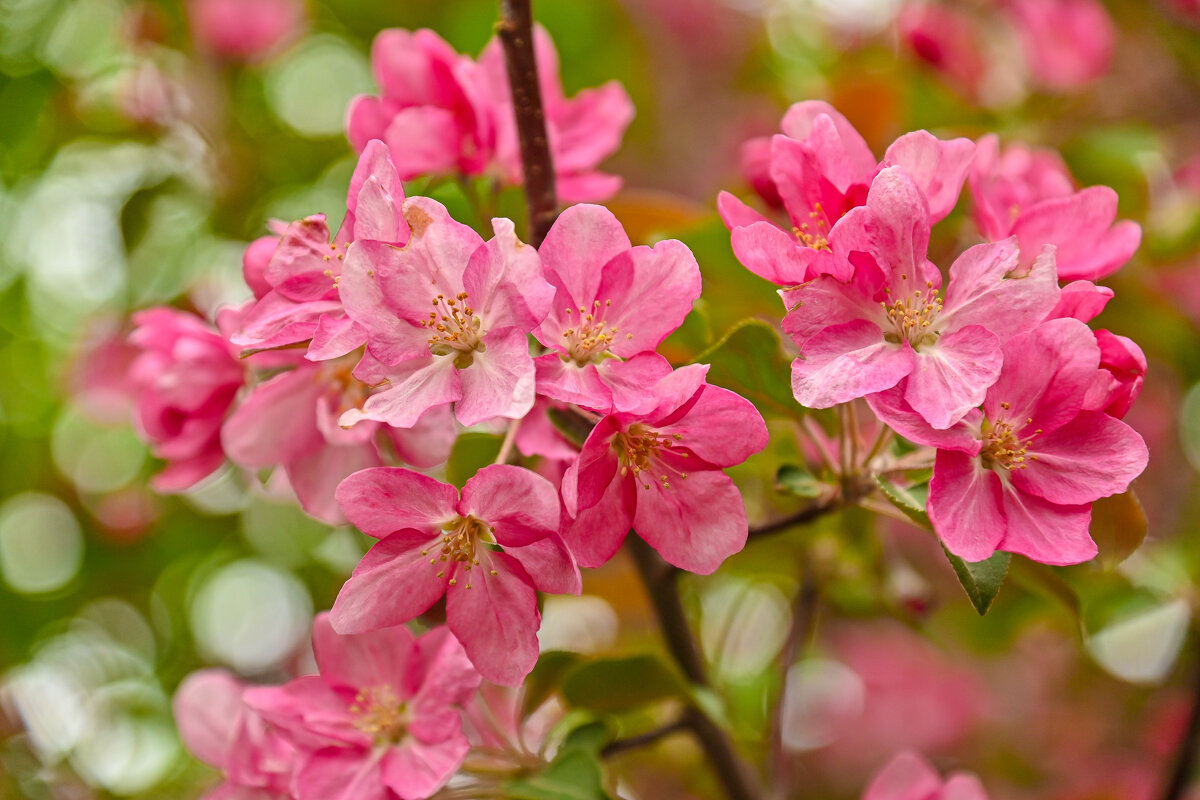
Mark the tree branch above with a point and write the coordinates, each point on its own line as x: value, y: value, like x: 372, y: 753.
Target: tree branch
x: 1185, y: 759
x: 659, y: 577
x: 515, y: 30
x: 804, y: 612
x: 647, y: 738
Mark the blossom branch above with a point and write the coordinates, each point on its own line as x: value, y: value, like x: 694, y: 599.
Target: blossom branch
x: 515, y: 30
x: 659, y: 578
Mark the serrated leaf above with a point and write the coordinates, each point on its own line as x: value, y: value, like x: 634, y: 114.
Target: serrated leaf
x: 912, y: 506
x: 798, y: 481
x: 472, y: 452
x: 616, y: 685
x: 981, y: 580
x: 545, y: 678
x: 749, y: 360
x: 1118, y: 527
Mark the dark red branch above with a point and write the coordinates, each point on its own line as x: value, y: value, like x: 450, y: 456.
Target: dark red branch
x: 516, y: 34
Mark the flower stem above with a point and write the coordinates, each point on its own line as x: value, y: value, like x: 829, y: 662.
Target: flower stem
x: 515, y: 30
x: 659, y: 578
x: 506, y: 446
x: 1185, y: 760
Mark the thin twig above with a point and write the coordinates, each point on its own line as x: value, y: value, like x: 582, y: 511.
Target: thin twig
x: 506, y: 446
x: 643, y: 739
x: 1185, y: 758
x: 515, y: 30
x: 811, y: 512
x: 659, y: 578
x: 804, y: 612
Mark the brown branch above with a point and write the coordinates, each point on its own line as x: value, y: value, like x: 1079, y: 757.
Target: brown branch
x: 810, y: 513
x: 649, y: 737
x: 515, y: 30
x: 1185, y: 759
x: 659, y: 577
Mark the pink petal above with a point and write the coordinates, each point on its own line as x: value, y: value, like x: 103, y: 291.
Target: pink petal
x: 893, y: 409
x: 650, y: 302
x: 336, y: 335
x: 550, y: 565
x: 276, y: 422
x: 316, y: 476
x: 1045, y: 531
x: 208, y: 710
x: 568, y: 382
x: 387, y: 499
x: 499, y: 382
x: 340, y: 773
x: 582, y: 240
x: 771, y: 254
x: 427, y: 443
x: 423, y: 140
x: 720, y: 427
x: 896, y: 229
x: 587, y: 479
x: 846, y: 361
x: 1081, y: 227
x: 983, y: 290
x: 373, y: 276
x: 628, y: 379
x: 595, y: 534
x: 951, y: 376
x: 375, y: 196
x: 696, y: 523
x: 736, y: 214
x: 1090, y: 457
x: 503, y: 279
x: 308, y: 709
x: 1081, y: 300
x: 520, y: 505
x: 824, y: 302
x: 416, y: 770
x: 496, y: 618
x: 1122, y: 375
x: 589, y: 127
x: 440, y: 675
x: 963, y: 786
x: 906, y: 777
x: 840, y: 146
x: 359, y: 660
x: 370, y: 599
x: 416, y: 386
x: 966, y: 506
x: 937, y: 167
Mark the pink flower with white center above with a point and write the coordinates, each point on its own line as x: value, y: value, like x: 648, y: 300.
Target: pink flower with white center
x: 613, y: 305
x: 245, y: 30
x: 1067, y: 43
x: 290, y: 421
x: 1029, y: 194
x: 910, y: 777
x: 489, y: 551
x: 383, y: 719
x: 185, y: 380
x: 583, y: 130
x: 218, y: 728
x: 297, y: 285
x: 946, y: 39
x: 657, y: 469
x: 890, y: 321
x: 822, y: 168
x: 446, y: 317
x: 1020, y: 474
x: 431, y: 111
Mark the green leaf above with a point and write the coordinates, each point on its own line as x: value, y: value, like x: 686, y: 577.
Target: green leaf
x: 574, y: 428
x: 574, y: 775
x: 749, y: 360
x: 798, y: 481
x: 616, y: 685
x: 545, y: 678
x: 472, y: 452
x: 1118, y: 527
x: 981, y: 579
x: 1047, y: 581
x: 904, y: 499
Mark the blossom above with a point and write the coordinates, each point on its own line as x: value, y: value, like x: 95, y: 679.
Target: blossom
x: 245, y: 30
x: 1029, y: 194
x: 290, y: 421
x: 1067, y: 43
x: 446, y: 318
x: 909, y: 777
x: 1021, y: 473
x: 488, y: 550
x: 945, y: 38
x: 889, y: 321
x: 296, y: 287
x: 657, y: 469
x: 218, y: 728
x: 821, y: 167
x: 186, y: 378
x: 383, y: 716
x: 612, y: 301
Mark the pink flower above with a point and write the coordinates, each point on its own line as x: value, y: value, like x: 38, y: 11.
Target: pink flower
x: 1020, y: 475
x: 296, y: 283
x: 889, y: 321
x: 290, y: 421
x: 657, y: 469
x: 489, y: 551
x: 185, y: 378
x: 383, y: 716
x: 1120, y: 378
x: 446, y: 317
x: 755, y: 159
x: 910, y: 777
x: 583, y: 131
x: 1029, y: 194
x: 218, y: 728
x: 245, y: 30
x: 945, y: 38
x: 613, y: 305
x: 1067, y: 43
x: 822, y: 168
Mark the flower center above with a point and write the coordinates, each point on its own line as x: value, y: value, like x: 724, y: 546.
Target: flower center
x: 1003, y: 448
x: 640, y: 449
x: 814, y: 235
x: 379, y: 714
x: 912, y: 317
x: 590, y: 339
x: 455, y: 329
x: 338, y: 375
x: 461, y: 538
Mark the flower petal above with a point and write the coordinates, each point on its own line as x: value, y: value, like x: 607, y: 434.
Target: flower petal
x: 371, y: 598
x: 846, y: 361
x: 966, y: 505
x: 496, y: 618
x: 695, y: 523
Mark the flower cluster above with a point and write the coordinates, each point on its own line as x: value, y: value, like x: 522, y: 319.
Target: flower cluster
x: 996, y: 369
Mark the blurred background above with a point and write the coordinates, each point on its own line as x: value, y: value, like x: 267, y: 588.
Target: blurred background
x: 143, y: 144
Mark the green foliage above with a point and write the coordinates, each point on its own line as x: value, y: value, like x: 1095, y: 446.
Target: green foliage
x: 472, y: 452
x: 575, y: 773
x: 616, y: 685
x: 749, y: 360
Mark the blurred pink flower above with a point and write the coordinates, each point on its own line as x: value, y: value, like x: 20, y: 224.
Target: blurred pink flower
x: 1067, y: 43
x: 945, y: 38
x: 610, y: 299
x: 437, y: 542
x: 383, y: 716
x: 910, y: 777
x: 245, y: 30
